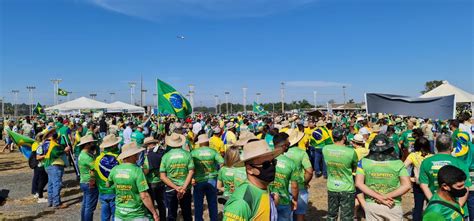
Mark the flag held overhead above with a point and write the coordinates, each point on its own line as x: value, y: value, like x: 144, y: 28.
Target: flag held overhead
x: 171, y: 101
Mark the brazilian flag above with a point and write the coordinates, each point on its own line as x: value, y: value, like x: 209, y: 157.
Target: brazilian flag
x: 38, y: 109
x: 62, y: 92
x: 171, y: 101
x: 23, y: 142
x: 259, y: 109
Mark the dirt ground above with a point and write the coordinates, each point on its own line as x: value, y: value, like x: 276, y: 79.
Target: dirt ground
x: 15, y: 182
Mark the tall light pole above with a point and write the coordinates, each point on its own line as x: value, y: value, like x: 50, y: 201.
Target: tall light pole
x: 15, y: 101
x: 144, y: 97
x: 3, y: 107
x: 191, y: 97
x: 154, y: 99
x: 227, y: 102
x: 112, y: 96
x: 315, y: 93
x: 56, y: 88
x: 132, y: 85
x: 244, y: 92
x: 216, y: 97
x: 30, y: 97
x: 258, y: 97
x: 93, y: 96
x: 282, y: 89
x: 344, y: 93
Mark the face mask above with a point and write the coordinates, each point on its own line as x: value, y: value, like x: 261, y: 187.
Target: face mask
x: 266, y: 170
x: 456, y: 193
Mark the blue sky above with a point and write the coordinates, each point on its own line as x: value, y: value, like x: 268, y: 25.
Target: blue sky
x: 97, y: 46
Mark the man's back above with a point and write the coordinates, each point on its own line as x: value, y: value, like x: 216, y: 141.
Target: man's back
x: 129, y: 181
x: 430, y: 167
x: 341, y: 162
x: 205, y: 161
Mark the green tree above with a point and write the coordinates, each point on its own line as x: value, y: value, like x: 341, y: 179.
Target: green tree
x: 430, y: 85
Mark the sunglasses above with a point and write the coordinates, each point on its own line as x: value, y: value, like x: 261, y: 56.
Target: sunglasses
x: 265, y: 164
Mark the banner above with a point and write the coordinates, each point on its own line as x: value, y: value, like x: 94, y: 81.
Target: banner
x: 435, y: 108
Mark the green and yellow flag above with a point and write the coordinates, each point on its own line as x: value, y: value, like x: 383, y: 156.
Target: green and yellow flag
x: 258, y: 109
x: 38, y: 109
x: 171, y: 101
x: 62, y: 92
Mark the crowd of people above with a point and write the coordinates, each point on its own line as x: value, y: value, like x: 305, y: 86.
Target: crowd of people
x: 258, y: 167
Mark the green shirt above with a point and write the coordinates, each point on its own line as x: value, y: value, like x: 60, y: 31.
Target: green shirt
x: 438, y: 212
x: 285, y: 173
x: 153, y: 175
x: 396, y: 143
x: 226, y: 176
x: 137, y: 137
x: 63, y: 134
x: 407, y: 138
x: 382, y: 176
x: 248, y: 202
x: 86, y: 165
x: 301, y: 160
x: 177, y: 163
x: 431, y: 165
x: 128, y: 181
x: 340, y: 162
x: 206, y: 161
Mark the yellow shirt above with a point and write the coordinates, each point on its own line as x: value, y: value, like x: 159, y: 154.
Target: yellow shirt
x: 283, y: 130
x: 416, y: 158
x: 303, y: 142
x: 231, y: 138
x: 216, y: 144
x: 361, y: 152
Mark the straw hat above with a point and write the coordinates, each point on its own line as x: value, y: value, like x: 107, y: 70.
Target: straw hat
x: 150, y: 140
x: 129, y: 150
x: 86, y: 139
x: 230, y: 125
x: 376, y: 128
x: 175, y: 140
x: 244, y: 138
x: 360, y: 119
x: 294, y: 136
x: 202, y: 139
x: 278, y: 119
x: 110, y: 141
x: 257, y: 149
x: 359, y: 139
x: 320, y: 123
x: 49, y: 132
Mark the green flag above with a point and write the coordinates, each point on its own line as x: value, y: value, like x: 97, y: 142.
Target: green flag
x: 258, y: 109
x: 171, y: 101
x: 62, y: 92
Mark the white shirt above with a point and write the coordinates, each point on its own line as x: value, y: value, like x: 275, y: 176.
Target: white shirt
x: 127, y: 135
x: 466, y: 128
x: 364, y: 131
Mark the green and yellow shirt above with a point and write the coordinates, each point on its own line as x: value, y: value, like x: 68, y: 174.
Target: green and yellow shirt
x: 177, y: 163
x: 206, y: 162
x: 128, y: 181
x: 248, y: 202
x: 341, y: 162
x: 285, y: 173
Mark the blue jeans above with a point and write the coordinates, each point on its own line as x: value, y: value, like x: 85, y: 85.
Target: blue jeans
x: 470, y: 205
x: 55, y: 177
x: 107, y: 206
x: 210, y: 191
x: 419, y: 198
x: 284, y: 213
x: 89, y: 201
x: 102, y: 134
x: 302, y: 202
x: 319, y: 165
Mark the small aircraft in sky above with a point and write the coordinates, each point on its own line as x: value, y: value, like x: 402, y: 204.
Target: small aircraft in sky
x: 180, y: 37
